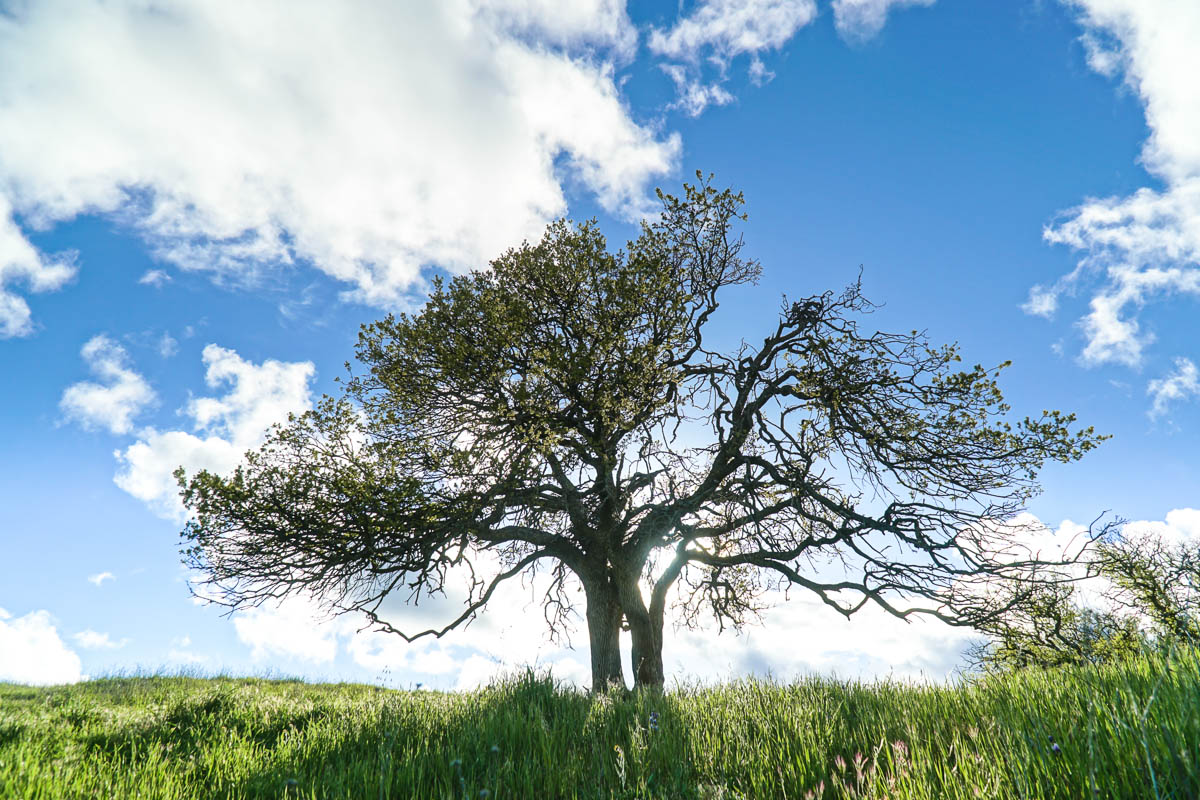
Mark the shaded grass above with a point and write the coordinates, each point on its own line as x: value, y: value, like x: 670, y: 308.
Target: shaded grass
x: 1122, y: 731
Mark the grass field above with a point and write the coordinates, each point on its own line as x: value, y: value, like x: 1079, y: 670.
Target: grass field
x: 1131, y: 731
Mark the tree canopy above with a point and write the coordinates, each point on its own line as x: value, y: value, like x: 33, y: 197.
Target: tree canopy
x: 563, y: 409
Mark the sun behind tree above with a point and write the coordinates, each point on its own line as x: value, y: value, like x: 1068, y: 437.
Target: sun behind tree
x: 545, y: 412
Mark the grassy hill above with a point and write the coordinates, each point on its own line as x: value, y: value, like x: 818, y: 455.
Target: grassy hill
x: 1129, y: 731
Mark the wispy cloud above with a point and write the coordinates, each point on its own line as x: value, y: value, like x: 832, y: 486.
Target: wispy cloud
x: 167, y: 345
x: 94, y: 640
x: 715, y: 32
x: 155, y: 277
x: 1180, y: 384
x: 859, y: 20
x: 113, y: 404
x: 100, y: 577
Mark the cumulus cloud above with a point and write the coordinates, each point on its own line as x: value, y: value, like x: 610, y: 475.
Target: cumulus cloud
x: 1145, y: 247
x: 717, y: 31
x: 31, y: 651
x: 1178, y: 385
x: 859, y: 20
x: 437, y: 133
x: 100, y: 577
x: 223, y: 427
x: 113, y: 404
x: 1180, y: 526
x: 94, y: 640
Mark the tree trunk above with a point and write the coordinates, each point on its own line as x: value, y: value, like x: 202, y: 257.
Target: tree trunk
x: 646, y: 631
x: 604, y: 634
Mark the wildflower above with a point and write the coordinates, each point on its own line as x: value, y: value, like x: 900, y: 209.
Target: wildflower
x: 456, y: 763
x: 654, y: 720
x: 495, y: 749
x: 840, y: 763
x: 1054, y: 748
x: 484, y: 794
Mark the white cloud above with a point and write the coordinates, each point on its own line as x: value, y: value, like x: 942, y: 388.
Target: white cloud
x: 1042, y: 302
x: 186, y: 658
x: 859, y: 20
x: 759, y: 74
x: 580, y: 22
x: 113, y: 404
x: 694, y: 96
x: 429, y: 133
x: 728, y: 28
x: 22, y: 264
x: 718, y: 31
x: 100, y: 577
x: 1144, y: 247
x: 1181, y: 526
x: 155, y: 277
x: 167, y: 345
x: 292, y: 629
x: 94, y: 640
x: 1182, y: 383
x: 223, y: 427
x: 181, y: 653
x: 873, y: 644
x: 259, y: 395
x: 32, y: 652
x: 512, y: 634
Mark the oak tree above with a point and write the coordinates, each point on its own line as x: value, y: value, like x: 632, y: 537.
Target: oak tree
x: 563, y: 410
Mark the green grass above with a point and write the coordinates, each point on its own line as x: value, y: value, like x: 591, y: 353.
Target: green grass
x: 1129, y: 731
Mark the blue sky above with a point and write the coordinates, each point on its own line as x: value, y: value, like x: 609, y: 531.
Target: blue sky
x: 201, y: 202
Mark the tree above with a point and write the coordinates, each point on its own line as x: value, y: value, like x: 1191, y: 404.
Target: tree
x: 1050, y: 628
x: 1151, y: 600
x: 563, y: 410
x: 1153, y: 580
